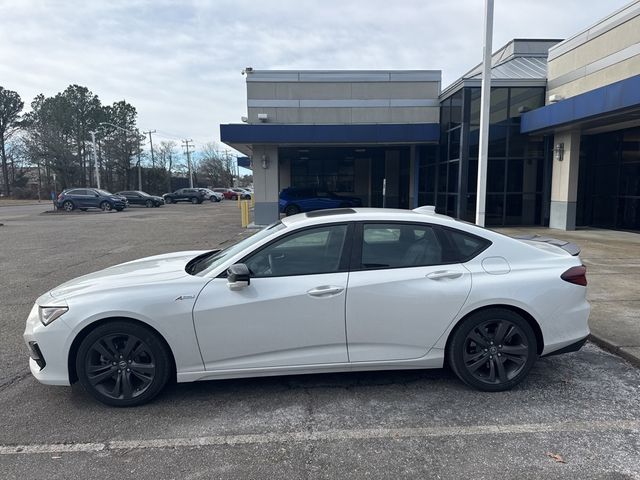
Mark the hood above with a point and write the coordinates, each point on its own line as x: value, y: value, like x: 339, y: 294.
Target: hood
x: 149, y: 270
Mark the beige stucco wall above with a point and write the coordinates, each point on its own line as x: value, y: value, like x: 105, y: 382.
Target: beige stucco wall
x: 594, y: 62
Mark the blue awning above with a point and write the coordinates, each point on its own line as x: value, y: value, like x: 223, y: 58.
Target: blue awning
x: 617, y: 96
x: 330, y: 134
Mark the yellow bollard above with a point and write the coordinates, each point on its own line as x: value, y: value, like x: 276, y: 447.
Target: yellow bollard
x: 244, y: 213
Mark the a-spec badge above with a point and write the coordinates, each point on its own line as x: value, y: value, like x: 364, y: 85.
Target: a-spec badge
x: 185, y: 297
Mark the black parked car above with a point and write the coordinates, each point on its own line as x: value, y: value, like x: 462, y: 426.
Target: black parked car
x: 136, y: 197
x: 85, y: 198
x: 192, y: 195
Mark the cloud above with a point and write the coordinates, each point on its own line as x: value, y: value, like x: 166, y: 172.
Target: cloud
x: 179, y: 63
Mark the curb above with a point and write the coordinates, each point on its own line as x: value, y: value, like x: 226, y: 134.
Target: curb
x: 615, y: 349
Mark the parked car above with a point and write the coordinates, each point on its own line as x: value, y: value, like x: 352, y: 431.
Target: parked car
x: 193, y: 195
x: 244, y: 194
x: 295, y: 200
x: 85, y: 198
x: 226, y: 192
x: 327, y: 291
x: 137, y: 197
x: 211, y: 195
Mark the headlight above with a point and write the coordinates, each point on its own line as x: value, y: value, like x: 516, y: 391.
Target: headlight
x: 49, y: 314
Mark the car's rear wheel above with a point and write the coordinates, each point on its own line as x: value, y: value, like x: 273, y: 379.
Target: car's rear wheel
x: 68, y: 206
x: 105, y: 206
x: 291, y: 210
x: 493, y: 350
x: 123, y: 364
x: 149, y: 203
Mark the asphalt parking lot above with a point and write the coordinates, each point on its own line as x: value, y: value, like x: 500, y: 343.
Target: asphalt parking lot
x: 577, y: 416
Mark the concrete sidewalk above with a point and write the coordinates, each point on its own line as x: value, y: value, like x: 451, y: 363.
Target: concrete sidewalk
x: 613, y: 272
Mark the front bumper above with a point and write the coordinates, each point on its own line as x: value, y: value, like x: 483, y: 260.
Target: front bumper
x: 49, y: 347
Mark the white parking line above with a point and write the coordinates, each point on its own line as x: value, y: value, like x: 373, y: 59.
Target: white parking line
x: 326, y: 435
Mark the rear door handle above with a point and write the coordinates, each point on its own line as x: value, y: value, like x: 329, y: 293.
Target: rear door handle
x: 325, y: 291
x: 443, y: 274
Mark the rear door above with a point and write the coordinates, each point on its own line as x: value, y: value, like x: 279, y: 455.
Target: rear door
x: 404, y: 290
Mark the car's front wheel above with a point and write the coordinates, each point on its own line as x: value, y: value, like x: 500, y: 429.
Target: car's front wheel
x: 195, y: 200
x: 493, y: 350
x: 168, y: 200
x: 149, y: 203
x: 123, y: 364
x: 106, y: 206
x: 291, y: 210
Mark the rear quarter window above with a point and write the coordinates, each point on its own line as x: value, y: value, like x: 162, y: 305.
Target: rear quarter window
x: 463, y: 246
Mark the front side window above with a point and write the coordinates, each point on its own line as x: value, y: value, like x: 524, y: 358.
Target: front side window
x: 399, y: 246
x: 308, y: 252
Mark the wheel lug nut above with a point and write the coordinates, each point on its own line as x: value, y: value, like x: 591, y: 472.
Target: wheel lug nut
x: 129, y: 361
x: 499, y: 346
x: 499, y: 354
x: 128, y: 369
x: 490, y: 356
x: 484, y: 350
x: 113, y: 363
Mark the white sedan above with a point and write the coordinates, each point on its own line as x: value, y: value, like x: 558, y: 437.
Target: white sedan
x: 326, y: 291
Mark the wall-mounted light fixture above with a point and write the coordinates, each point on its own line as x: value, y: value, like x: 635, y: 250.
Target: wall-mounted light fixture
x: 265, y: 161
x: 558, y: 152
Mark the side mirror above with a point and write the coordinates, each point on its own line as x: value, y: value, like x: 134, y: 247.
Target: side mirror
x: 238, y: 276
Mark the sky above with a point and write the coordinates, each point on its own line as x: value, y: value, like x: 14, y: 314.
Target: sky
x: 179, y: 62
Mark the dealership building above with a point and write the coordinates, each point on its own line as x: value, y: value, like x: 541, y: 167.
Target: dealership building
x: 564, y: 135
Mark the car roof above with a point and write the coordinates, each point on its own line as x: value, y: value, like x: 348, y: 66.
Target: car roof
x: 421, y: 214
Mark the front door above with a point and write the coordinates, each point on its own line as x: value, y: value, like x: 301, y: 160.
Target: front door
x: 403, y: 294
x: 293, y: 311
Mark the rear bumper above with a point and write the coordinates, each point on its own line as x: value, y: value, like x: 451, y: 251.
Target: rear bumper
x: 572, y: 347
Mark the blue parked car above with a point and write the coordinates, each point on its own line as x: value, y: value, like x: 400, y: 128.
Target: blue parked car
x: 85, y: 198
x: 295, y: 200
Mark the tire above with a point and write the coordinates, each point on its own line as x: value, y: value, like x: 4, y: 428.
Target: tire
x: 68, y: 206
x: 195, y: 200
x: 149, y: 204
x: 291, y: 210
x: 106, y: 206
x: 214, y: 199
x: 123, y: 364
x: 492, y: 350
x: 234, y: 197
x: 168, y: 200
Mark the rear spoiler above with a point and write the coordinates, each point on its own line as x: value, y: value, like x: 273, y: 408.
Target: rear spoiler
x: 568, y: 247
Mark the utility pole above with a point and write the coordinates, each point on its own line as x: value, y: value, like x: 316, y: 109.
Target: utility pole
x: 153, y: 161
x: 95, y: 157
x: 139, y: 168
x: 185, y: 144
x: 485, y: 102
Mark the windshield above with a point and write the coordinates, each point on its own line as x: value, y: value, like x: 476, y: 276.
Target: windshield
x: 208, y: 262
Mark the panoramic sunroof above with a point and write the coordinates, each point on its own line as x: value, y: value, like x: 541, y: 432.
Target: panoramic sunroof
x: 331, y: 211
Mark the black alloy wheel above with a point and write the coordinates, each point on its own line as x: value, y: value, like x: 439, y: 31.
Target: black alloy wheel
x: 123, y: 364
x: 291, y: 210
x: 149, y: 203
x: 168, y: 200
x: 493, y: 350
x: 68, y: 206
x: 106, y: 206
x: 194, y: 200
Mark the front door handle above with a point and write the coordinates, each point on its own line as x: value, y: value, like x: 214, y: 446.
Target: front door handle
x: 443, y: 274
x: 325, y: 291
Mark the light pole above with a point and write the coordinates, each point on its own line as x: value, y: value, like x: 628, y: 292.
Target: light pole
x: 139, y: 162
x: 95, y: 157
x: 485, y: 102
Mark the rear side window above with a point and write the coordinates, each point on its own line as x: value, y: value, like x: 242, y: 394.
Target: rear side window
x: 463, y: 246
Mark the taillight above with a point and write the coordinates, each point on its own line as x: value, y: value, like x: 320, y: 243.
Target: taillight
x: 576, y: 275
